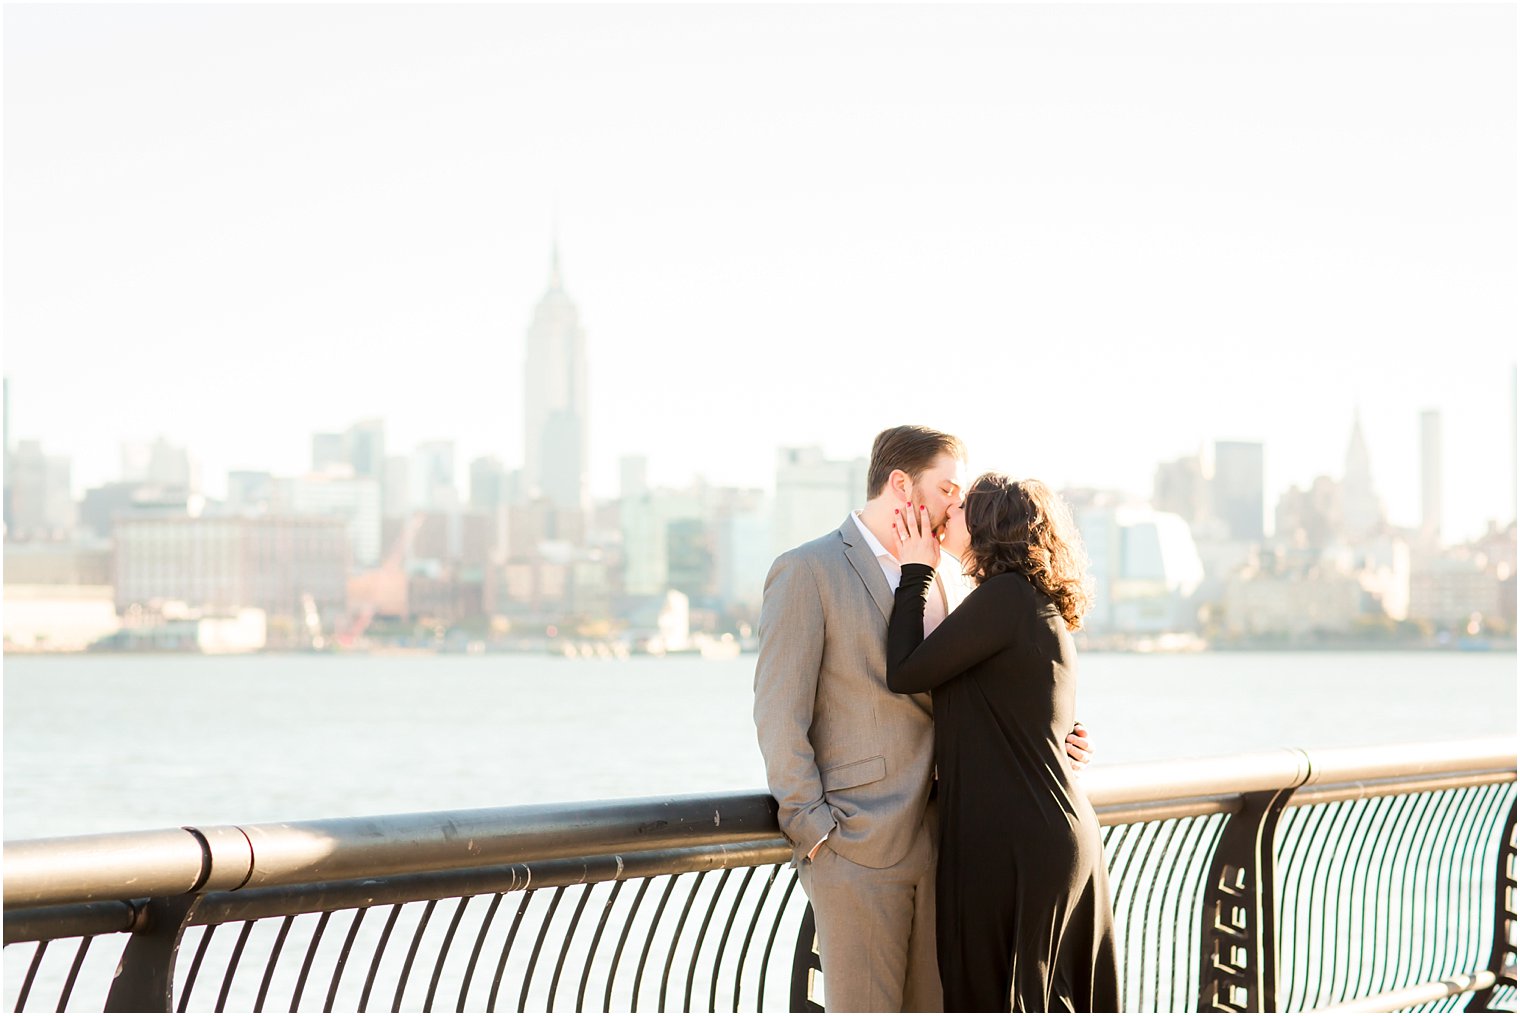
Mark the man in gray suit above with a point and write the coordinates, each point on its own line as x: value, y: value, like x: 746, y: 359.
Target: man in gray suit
x: 850, y: 763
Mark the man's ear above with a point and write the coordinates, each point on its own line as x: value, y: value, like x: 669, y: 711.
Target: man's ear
x: 900, y: 484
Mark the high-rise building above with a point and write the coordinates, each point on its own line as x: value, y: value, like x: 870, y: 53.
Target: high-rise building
x: 1362, y: 509
x: 1430, y: 476
x: 159, y: 464
x: 42, y: 500
x: 364, y: 448
x: 432, y: 476
x: 489, y: 484
x: 633, y: 476
x: 396, y: 486
x: 1310, y: 518
x: 327, y: 453
x: 1240, y: 488
x: 556, y: 450
x: 358, y: 451
x: 814, y: 494
x: 1182, y: 488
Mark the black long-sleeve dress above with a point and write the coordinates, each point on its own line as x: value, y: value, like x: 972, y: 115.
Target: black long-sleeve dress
x: 1024, y: 917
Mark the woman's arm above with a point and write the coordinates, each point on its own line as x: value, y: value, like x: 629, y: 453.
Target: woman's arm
x: 975, y: 630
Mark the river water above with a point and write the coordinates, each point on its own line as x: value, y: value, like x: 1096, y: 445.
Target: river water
x: 104, y: 743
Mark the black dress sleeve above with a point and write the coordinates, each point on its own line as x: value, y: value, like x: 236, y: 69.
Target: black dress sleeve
x: 972, y: 632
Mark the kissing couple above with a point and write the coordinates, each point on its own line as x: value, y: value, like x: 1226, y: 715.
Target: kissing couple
x: 915, y: 702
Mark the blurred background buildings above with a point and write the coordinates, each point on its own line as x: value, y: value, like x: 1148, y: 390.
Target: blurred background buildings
x: 376, y: 546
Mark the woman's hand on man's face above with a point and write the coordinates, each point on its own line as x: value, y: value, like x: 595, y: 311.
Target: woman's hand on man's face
x: 916, y: 540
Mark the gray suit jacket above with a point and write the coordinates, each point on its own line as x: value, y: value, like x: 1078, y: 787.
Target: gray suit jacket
x: 843, y: 755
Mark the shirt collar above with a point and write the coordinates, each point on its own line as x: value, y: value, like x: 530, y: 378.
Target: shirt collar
x: 871, y: 540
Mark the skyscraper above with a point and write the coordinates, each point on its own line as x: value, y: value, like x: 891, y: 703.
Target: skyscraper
x: 1240, y: 488
x: 813, y: 494
x: 1430, y: 475
x: 1361, y: 509
x: 556, y: 433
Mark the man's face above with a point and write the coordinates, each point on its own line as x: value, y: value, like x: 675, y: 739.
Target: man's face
x: 940, y: 488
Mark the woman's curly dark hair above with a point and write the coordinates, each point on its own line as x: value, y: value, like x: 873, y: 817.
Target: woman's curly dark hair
x: 1023, y: 526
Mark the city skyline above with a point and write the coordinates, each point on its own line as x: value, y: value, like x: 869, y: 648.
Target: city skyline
x: 1188, y: 224
x: 449, y: 468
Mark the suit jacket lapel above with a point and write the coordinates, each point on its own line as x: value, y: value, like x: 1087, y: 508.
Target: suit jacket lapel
x: 858, y: 553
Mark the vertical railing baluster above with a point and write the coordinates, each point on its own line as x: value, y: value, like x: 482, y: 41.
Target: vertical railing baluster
x: 68, y: 985
x: 770, y: 942
x: 195, y: 966
x: 31, y: 975
x: 232, y: 966
x: 443, y: 952
x: 480, y: 941
x: 749, y: 934
x: 348, y: 945
x: 596, y: 940
x: 733, y: 913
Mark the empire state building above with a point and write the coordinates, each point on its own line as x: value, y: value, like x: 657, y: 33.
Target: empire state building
x: 555, y: 456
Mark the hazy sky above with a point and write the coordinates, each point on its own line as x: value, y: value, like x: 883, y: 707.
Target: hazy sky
x: 1084, y: 238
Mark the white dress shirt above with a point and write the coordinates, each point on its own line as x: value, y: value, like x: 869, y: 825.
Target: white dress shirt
x: 936, y: 606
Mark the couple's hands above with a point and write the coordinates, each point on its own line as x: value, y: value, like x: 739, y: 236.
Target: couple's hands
x: 916, y: 540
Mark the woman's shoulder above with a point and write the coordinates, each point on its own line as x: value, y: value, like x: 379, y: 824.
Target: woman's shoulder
x: 1017, y: 587
x: 1009, y: 583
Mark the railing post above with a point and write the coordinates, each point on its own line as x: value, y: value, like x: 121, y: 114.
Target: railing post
x: 144, y: 980
x: 1239, y: 933
x: 1502, y: 959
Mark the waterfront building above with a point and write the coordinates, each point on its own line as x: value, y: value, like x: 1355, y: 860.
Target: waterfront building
x: 1239, y: 498
x: 226, y: 563
x: 1144, y: 566
x: 1452, y: 590
x: 814, y: 494
x: 556, y: 431
x: 1260, y: 600
x: 55, y: 617
x: 58, y: 564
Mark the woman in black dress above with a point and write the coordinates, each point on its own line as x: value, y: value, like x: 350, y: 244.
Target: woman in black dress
x: 1024, y: 918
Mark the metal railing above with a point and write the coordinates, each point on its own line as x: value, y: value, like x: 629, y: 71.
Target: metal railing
x: 1378, y: 877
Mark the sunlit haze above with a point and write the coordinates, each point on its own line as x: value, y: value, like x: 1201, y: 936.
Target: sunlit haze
x: 1086, y: 239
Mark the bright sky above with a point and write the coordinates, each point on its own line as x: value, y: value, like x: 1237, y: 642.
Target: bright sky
x: 1084, y: 238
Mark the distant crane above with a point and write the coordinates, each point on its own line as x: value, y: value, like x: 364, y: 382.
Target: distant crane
x: 382, y: 589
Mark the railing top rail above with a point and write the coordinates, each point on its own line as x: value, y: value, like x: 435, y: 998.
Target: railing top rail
x: 82, y: 869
